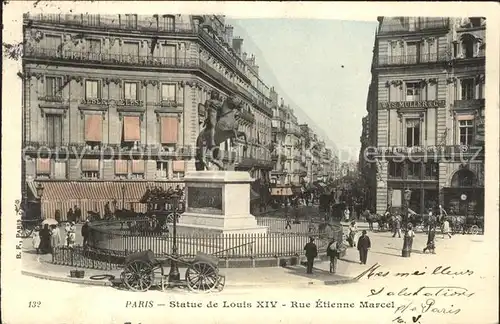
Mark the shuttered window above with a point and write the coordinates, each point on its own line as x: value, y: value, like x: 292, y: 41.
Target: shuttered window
x: 161, y: 170
x: 54, y: 130
x: 42, y: 166
x: 60, y: 169
x: 131, y: 129
x: 90, y: 165
x: 178, y: 166
x: 121, y: 167
x: 168, y: 92
x: 93, y: 128
x: 137, y: 166
x: 169, y: 130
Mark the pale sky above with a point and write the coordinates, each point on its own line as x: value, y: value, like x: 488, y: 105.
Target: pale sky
x: 303, y: 58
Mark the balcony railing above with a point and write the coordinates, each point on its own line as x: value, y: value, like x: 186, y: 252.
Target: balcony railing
x: 78, y: 148
x: 468, y: 104
x: 403, y: 25
x: 97, y: 21
x: 411, y: 59
x: 105, y: 58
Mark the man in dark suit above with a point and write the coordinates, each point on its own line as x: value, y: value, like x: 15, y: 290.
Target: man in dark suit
x: 363, y: 245
x: 311, y: 253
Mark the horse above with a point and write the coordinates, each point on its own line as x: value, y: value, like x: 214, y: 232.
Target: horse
x: 225, y: 128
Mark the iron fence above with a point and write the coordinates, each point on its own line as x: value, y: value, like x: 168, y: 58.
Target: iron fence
x: 80, y: 257
x: 278, y: 242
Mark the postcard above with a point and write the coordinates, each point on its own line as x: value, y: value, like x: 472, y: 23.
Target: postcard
x: 246, y: 162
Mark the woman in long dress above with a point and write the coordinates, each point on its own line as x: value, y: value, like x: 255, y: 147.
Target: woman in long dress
x: 446, y: 228
x: 36, y: 240
x: 45, y: 239
x: 55, y: 237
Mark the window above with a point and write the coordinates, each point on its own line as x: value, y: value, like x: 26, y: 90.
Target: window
x: 54, y: 44
x: 54, y: 130
x: 413, y: 91
x: 168, y: 92
x: 60, y: 169
x: 412, y: 132
x: 412, y: 52
x: 169, y: 23
x: 432, y: 171
x: 53, y: 87
x: 162, y: 170
x: 130, y: 91
x: 92, y: 89
x: 168, y: 54
x: 467, y: 89
x: 130, y: 21
x: 414, y: 170
x: 466, y: 132
x: 468, y: 44
x: 90, y: 168
x: 94, y: 49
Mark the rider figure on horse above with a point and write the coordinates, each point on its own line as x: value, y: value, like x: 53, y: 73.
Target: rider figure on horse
x: 213, y: 106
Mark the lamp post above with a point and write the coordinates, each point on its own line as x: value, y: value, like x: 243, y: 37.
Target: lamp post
x: 123, y: 196
x: 405, y: 253
x: 39, y: 192
x: 174, y: 275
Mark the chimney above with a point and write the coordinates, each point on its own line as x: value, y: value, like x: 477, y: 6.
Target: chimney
x: 237, y: 44
x: 229, y: 34
x: 244, y: 57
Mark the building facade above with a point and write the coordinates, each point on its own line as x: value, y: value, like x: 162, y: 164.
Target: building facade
x: 111, y: 104
x: 429, y: 80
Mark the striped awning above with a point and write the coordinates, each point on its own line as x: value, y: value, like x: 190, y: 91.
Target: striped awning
x: 97, y: 190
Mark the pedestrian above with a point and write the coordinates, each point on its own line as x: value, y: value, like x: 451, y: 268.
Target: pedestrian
x: 347, y: 214
x: 85, y: 233
x: 446, y: 228
x: 107, y: 211
x: 57, y: 215
x: 410, y: 233
x: 431, y: 240
x: 288, y: 222
x: 396, y: 227
x: 78, y: 214
x: 45, y: 239
x: 353, y: 230
x: 72, y: 235
x: 55, y: 237
x: 334, y: 250
x: 70, y: 215
x: 364, y: 245
x: 36, y: 239
x: 311, y: 253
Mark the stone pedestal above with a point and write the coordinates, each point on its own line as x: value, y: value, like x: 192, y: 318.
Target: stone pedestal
x: 218, y: 202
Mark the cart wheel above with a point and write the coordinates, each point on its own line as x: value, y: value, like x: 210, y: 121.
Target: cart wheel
x: 474, y: 230
x: 138, y: 275
x: 202, y: 277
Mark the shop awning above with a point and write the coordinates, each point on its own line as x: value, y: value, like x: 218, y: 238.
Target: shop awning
x: 96, y: 190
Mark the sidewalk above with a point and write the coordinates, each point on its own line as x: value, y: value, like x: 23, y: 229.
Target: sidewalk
x: 41, y: 267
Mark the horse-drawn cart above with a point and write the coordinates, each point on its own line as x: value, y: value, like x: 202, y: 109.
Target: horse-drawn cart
x: 142, y: 271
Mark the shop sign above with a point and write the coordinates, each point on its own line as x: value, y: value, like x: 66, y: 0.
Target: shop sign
x: 412, y: 104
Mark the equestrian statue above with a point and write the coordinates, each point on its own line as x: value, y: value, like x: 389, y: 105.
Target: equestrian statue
x: 220, y: 125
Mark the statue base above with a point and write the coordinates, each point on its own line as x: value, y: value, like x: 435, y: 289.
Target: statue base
x: 218, y: 202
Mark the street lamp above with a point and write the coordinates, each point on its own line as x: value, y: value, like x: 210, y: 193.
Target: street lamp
x: 405, y: 253
x: 123, y: 196
x: 39, y: 192
x: 174, y: 275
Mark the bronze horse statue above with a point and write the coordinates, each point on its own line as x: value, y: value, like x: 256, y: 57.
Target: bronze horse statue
x: 220, y: 125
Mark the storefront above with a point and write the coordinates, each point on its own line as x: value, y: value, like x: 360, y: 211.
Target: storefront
x: 464, y: 196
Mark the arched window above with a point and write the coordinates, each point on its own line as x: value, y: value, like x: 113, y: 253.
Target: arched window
x: 468, y: 45
x: 463, y: 178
